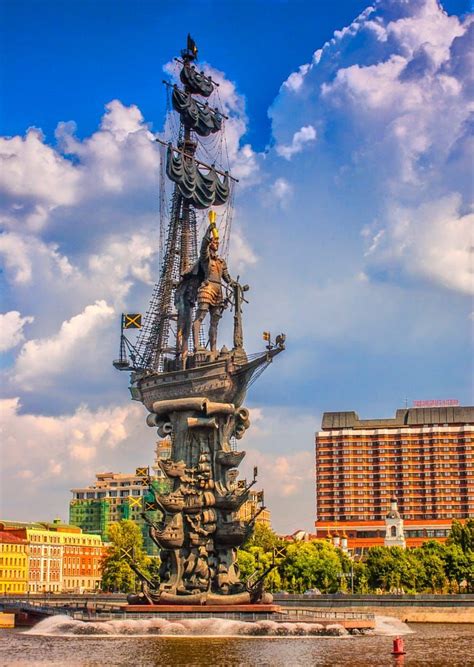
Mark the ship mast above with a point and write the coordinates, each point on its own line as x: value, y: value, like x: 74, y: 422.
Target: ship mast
x: 192, y: 189
x: 196, y: 399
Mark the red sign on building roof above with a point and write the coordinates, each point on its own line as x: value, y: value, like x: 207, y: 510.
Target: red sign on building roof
x: 436, y: 403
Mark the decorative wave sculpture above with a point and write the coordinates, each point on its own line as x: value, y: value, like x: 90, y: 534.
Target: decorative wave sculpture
x: 198, y: 117
x: 201, y: 190
x: 196, y: 82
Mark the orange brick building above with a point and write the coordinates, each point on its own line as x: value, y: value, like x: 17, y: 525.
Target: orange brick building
x: 423, y: 456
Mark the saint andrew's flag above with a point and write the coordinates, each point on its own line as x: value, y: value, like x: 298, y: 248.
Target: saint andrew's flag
x: 132, y: 321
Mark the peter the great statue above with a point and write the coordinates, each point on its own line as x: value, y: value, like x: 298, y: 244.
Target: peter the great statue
x: 194, y: 397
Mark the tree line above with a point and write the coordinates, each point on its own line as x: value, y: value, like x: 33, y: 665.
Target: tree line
x: 434, y: 567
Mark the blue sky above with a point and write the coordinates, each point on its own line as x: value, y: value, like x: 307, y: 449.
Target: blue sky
x: 62, y: 59
x: 353, y: 220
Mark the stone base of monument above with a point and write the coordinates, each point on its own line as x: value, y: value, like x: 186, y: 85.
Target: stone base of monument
x: 329, y: 622
x: 238, y: 612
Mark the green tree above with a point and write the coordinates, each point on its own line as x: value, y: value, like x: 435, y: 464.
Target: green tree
x: 462, y: 534
x: 126, y: 538
x: 431, y: 557
x: 381, y: 568
x: 470, y: 571
x: 153, y: 568
x: 456, y: 564
x: 313, y: 564
x: 361, y: 584
x: 247, y: 563
x: 414, y: 573
x: 264, y: 537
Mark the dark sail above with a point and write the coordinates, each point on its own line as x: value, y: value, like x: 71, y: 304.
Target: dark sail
x: 198, y: 117
x: 196, y: 82
x: 201, y: 190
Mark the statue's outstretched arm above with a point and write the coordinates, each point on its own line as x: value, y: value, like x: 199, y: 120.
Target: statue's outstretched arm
x: 226, y: 275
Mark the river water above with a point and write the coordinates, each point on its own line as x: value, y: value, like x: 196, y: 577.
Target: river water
x: 59, y: 642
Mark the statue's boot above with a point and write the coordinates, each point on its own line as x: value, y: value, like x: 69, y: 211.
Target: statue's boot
x: 213, y: 340
x: 196, y: 330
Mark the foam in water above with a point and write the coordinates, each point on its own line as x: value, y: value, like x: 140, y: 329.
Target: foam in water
x: 391, y: 626
x: 64, y: 625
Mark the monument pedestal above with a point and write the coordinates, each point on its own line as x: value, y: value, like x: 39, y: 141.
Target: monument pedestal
x: 233, y: 612
x: 202, y: 608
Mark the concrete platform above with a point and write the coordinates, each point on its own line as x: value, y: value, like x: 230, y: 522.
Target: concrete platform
x: 202, y: 609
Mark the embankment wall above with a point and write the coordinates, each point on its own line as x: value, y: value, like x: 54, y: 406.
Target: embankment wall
x: 412, y: 614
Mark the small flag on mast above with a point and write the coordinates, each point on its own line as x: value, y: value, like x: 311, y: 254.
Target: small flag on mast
x: 132, y: 321
x: 279, y: 552
x: 192, y: 46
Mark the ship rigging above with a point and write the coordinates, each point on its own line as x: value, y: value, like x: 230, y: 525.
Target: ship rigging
x: 195, y: 162
x: 194, y: 389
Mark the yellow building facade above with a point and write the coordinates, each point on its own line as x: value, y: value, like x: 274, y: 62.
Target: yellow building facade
x: 253, y: 508
x: 59, y: 558
x: 14, y: 553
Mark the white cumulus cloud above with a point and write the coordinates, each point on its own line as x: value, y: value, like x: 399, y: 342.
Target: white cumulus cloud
x: 41, y: 360
x: 390, y: 98
x: 433, y: 241
x: 51, y: 454
x: 304, y: 135
x: 11, y: 329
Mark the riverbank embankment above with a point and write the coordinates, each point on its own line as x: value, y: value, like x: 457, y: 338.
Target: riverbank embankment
x: 408, y: 608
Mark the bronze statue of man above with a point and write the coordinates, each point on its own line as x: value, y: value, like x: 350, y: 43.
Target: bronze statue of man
x: 210, y: 298
x: 203, y: 283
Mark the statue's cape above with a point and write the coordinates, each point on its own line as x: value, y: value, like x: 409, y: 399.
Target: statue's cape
x: 189, y: 283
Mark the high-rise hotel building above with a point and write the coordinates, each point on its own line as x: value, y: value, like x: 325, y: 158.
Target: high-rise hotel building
x: 423, y: 457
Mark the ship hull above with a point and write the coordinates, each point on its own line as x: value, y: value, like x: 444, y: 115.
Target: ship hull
x: 223, y: 381
x: 215, y: 381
